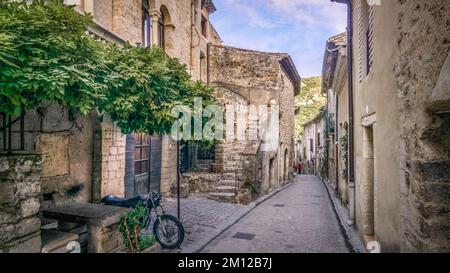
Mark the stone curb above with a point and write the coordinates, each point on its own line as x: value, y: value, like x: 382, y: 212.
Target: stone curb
x: 351, y: 235
x: 201, y: 244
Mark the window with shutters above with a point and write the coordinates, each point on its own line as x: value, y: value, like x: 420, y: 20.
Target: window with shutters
x: 141, y: 154
x: 365, y: 38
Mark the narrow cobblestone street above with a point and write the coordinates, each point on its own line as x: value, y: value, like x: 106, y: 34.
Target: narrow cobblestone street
x: 297, y: 219
x: 203, y: 219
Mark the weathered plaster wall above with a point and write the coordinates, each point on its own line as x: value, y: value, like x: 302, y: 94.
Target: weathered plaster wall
x: 376, y: 95
x: 423, y: 40
x: 103, y: 13
x: 342, y: 132
x: 65, y: 141
x: 20, y: 201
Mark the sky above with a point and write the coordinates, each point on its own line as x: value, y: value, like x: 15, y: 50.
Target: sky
x: 297, y: 27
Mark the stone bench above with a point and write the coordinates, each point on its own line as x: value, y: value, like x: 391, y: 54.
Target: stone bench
x: 102, y: 223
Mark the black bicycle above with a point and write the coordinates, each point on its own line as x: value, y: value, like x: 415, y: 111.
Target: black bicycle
x: 168, y: 230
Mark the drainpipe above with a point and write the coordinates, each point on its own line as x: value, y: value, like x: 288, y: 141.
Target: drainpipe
x: 191, y: 57
x: 208, y: 63
x: 351, y: 151
x: 336, y: 139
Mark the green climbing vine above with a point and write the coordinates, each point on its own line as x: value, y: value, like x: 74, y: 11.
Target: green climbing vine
x: 343, y: 145
x: 46, y: 55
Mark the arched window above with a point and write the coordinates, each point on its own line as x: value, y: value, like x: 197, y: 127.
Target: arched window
x: 161, y: 32
x: 146, y: 24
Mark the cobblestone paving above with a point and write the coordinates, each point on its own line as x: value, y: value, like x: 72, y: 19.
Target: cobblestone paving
x: 299, y: 219
x: 203, y: 219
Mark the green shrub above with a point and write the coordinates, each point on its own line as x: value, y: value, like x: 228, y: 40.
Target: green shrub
x: 46, y: 55
x: 130, y: 227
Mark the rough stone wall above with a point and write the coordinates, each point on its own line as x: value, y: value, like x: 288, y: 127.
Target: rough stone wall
x: 109, y: 160
x: 245, y: 68
x: 20, y: 201
x: 168, y: 165
x: 229, y: 153
x: 424, y: 43
x: 287, y: 128
x: 126, y: 19
x: 259, y: 78
x: 65, y: 141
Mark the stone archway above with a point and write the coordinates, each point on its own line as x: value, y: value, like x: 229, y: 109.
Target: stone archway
x: 273, y: 174
x: 286, y: 165
x: 166, y: 30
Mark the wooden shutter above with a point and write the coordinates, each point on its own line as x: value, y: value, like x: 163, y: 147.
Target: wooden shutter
x: 370, y: 40
x: 365, y: 16
x: 360, y: 31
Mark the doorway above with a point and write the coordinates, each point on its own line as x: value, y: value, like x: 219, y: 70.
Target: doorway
x: 273, y: 178
x: 286, y: 165
x: 368, y: 187
x: 143, y: 164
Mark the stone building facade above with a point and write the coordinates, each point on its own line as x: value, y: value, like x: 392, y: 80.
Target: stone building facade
x: 335, y: 86
x: 85, y: 158
x: 263, y: 80
x: 401, y: 124
x: 313, y: 146
x: 183, y: 30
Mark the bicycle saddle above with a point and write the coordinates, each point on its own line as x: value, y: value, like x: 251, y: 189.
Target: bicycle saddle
x: 123, y: 202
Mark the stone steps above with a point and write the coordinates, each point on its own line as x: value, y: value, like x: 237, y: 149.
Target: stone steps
x: 229, y: 176
x: 227, y: 197
x: 224, y: 188
x: 231, y: 183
